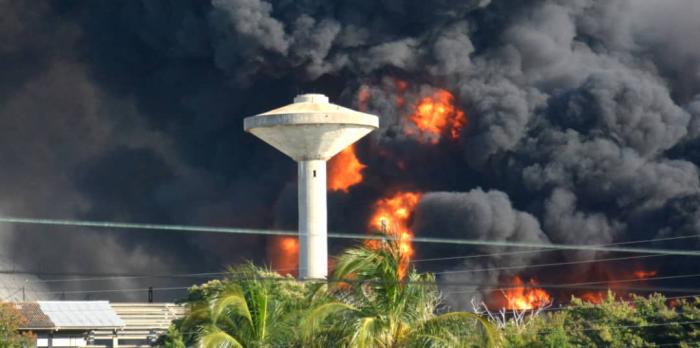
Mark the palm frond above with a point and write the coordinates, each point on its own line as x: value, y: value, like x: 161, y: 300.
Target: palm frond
x: 311, y: 323
x: 366, y: 332
x: 259, y: 301
x: 213, y: 337
x: 425, y: 340
x: 231, y: 302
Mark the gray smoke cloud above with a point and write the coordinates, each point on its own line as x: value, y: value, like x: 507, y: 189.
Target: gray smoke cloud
x: 583, y: 125
x: 483, y: 216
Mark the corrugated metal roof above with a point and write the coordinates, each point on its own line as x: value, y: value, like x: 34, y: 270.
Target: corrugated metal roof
x: 81, y: 314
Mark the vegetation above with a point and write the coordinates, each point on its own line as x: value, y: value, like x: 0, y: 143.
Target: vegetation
x: 641, y: 322
x: 370, y: 302
x: 252, y: 307
x: 375, y: 306
x: 10, y: 320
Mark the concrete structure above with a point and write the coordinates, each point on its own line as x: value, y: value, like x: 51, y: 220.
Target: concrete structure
x: 311, y: 131
x: 143, y: 322
x: 97, y: 324
x: 68, y: 323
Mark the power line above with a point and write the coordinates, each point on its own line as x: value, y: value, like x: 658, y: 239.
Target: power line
x: 98, y: 276
x: 214, y: 274
x: 552, y: 264
x: 577, y: 285
x: 246, y: 231
x: 69, y: 292
x: 588, y: 285
x: 130, y: 277
x: 542, y: 250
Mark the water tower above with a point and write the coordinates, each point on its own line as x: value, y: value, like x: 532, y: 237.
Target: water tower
x: 311, y: 131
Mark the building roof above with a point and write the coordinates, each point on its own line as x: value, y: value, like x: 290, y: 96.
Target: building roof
x: 140, y: 319
x: 36, y: 319
x: 69, y: 315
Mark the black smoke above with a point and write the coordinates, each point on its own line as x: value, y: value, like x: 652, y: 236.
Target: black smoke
x: 583, y: 126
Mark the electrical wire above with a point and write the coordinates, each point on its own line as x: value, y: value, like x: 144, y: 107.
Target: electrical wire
x: 577, y: 285
x: 246, y: 231
x: 214, y: 274
x: 539, y: 265
x: 583, y: 285
x: 543, y: 250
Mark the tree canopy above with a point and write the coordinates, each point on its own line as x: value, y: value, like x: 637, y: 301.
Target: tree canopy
x: 10, y: 320
x: 370, y: 301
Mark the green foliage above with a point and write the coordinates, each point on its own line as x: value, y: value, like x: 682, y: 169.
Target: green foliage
x: 373, y: 305
x: 639, y: 322
x: 10, y: 320
x: 376, y: 306
x: 172, y: 338
x: 252, y: 307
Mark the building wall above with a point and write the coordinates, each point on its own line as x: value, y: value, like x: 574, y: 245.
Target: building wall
x: 74, y: 339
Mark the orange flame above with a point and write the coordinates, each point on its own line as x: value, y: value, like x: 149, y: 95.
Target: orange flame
x: 619, y: 289
x: 392, y: 216
x: 522, y: 297
x: 344, y: 170
x: 641, y: 274
x: 283, y: 253
x: 436, y: 115
x: 594, y: 296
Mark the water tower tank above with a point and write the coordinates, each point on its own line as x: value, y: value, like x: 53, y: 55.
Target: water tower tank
x: 311, y: 131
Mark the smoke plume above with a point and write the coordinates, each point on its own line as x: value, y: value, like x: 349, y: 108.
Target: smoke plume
x: 583, y: 127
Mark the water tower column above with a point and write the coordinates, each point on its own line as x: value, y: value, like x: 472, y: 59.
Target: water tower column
x: 313, y: 245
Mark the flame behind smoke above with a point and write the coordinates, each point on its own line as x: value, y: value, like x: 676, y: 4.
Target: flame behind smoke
x: 283, y: 253
x: 521, y: 297
x: 436, y: 115
x: 594, y: 296
x: 618, y: 288
x: 344, y: 170
x: 642, y: 274
x: 392, y: 216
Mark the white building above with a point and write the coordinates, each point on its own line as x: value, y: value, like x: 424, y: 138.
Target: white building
x: 97, y: 323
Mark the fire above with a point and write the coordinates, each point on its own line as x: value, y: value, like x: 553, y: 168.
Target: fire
x: 619, y: 289
x: 392, y: 216
x: 436, y: 115
x: 594, y: 296
x: 283, y: 253
x: 641, y: 274
x: 344, y: 170
x: 521, y: 297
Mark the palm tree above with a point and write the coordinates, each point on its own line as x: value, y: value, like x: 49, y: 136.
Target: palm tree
x: 377, y: 306
x: 253, y: 308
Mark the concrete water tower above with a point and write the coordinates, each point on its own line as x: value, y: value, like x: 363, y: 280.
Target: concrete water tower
x: 311, y: 131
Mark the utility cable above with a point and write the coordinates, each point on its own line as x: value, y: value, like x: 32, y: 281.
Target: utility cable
x: 245, y: 231
x: 214, y: 274
x: 541, y: 250
x: 577, y: 285
x: 540, y: 265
